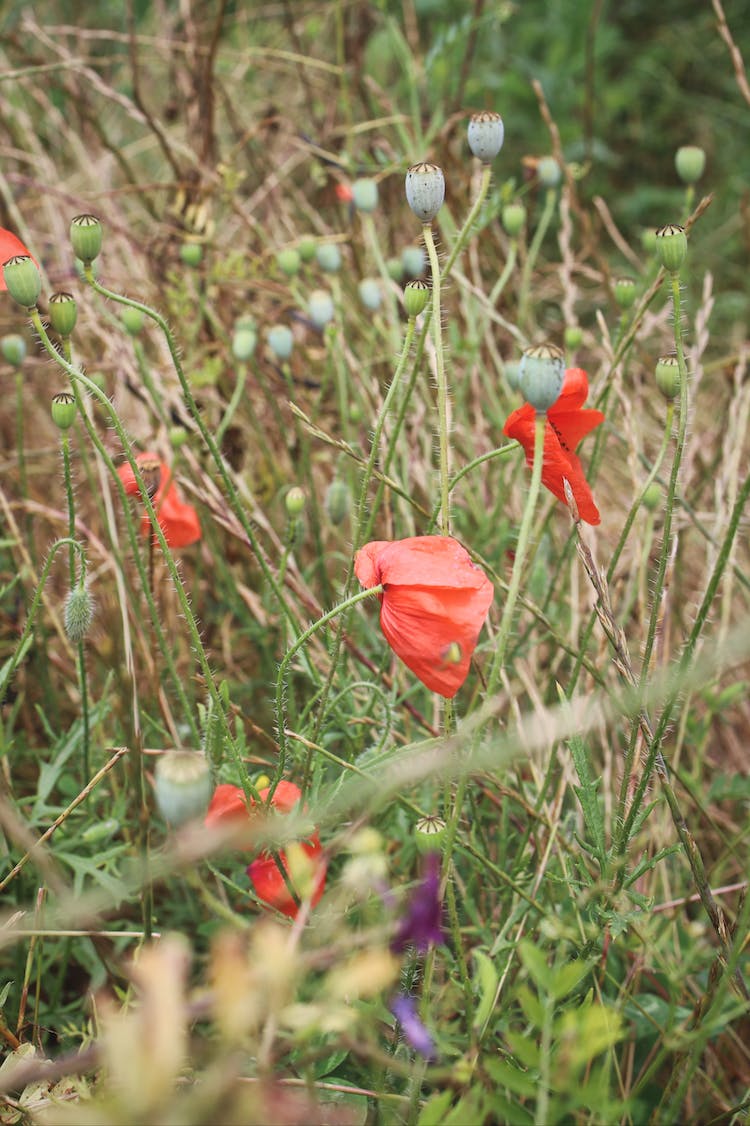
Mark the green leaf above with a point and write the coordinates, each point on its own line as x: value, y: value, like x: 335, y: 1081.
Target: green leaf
x: 536, y: 966
x: 523, y: 1083
x: 435, y: 1109
x: 485, y: 987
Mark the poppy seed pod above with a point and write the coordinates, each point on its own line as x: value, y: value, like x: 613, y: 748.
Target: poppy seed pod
x: 243, y: 343
x: 79, y: 612
x: 540, y: 375
x: 338, y: 501
x: 413, y: 260
x: 514, y: 217
x: 667, y: 376
x: 132, y: 320
x: 573, y: 336
x: 191, y: 254
x: 671, y: 247
x: 365, y: 195
x: 653, y: 497
x: 63, y: 313
x: 320, y: 308
x: 370, y: 294
x: 280, y: 341
x: 429, y: 833
x: 86, y: 237
x: 307, y: 249
x: 548, y: 172
x: 63, y: 410
x: 13, y: 348
x: 23, y: 280
x: 289, y: 261
x: 625, y: 292
x: 328, y: 257
x: 486, y: 134
x: 425, y: 190
x: 294, y: 501
x: 690, y: 162
x: 416, y: 296
x: 182, y: 785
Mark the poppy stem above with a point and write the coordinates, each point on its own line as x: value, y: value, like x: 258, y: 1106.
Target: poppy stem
x: 524, y: 292
x: 442, y: 386
x: 80, y: 654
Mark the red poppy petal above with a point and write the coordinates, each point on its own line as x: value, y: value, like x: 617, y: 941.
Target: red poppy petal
x: 574, y: 391
x: 227, y: 804
x: 285, y: 796
x: 429, y: 561
x: 587, y: 509
x: 178, y: 521
x: 269, y: 884
x: 572, y: 426
x: 520, y: 424
x: 367, y: 563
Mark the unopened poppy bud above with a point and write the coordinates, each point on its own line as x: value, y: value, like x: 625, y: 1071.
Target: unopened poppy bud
x: 365, y: 194
x: 63, y: 313
x: 243, y: 343
x: 328, y: 257
x: 355, y: 412
x: 370, y: 294
x: 625, y: 292
x: 486, y: 134
x: 416, y: 296
x: 13, y: 349
x: 178, y: 436
x: 514, y: 217
x: 289, y: 261
x: 540, y: 375
x: 23, y: 280
x: 425, y: 190
x: 337, y: 501
x: 132, y: 320
x: 573, y: 336
x: 653, y: 497
x: 429, y: 833
x: 295, y: 501
x: 191, y: 254
x: 690, y: 162
x: 182, y: 785
x: 307, y: 248
x: 320, y: 307
x: 86, y: 237
x: 280, y: 341
x: 667, y: 375
x: 63, y: 410
x: 548, y: 172
x: 413, y: 260
x: 79, y: 612
x: 671, y: 247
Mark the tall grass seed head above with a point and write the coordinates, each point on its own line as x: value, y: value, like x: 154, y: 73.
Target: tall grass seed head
x: 23, y: 280
x: 625, y: 292
x: 79, y: 613
x: 540, y: 375
x: 486, y: 134
x: 413, y: 261
x: 280, y: 341
x: 132, y: 320
x: 328, y: 257
x: 671, y: 247
x: 548, y: 172
x: 86, y: 237
x: 667, y: 376
x: 425, y: 190
x: 63, y: 313
x: 365, y: 194
x: 370, y: 294
x: 182, y: 785
x: 63, y: 410
x: 690, y: 162
x: 191, y: 254
x: 416, y: 296
x: 514, y: 219
x: 289, y: 261
x: 320, y: 308
x: 13, y: 349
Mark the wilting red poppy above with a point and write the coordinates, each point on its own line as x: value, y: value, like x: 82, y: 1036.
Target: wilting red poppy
x: 567, y: 423
x: 228, y: 806
x: 433, y: 605
x: 178, y: 521
x: 10, y: 246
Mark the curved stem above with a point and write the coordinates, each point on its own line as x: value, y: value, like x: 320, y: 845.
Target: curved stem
x: 442, y: 386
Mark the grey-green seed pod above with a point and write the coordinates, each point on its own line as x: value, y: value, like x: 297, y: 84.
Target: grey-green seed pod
x: 338, y: 502
x: 295, y: 501
x: 425, y: 190
x: 132, y: 320
x: 514, y: 218
x: 79, y: 613
x: 671, y: 247
x: 243, y: 343
x: 13, y: 349
x: 667, y: 376
x: 365, y: 195
x: 416, y: 296
x: 63, y: 313
x: 395, y: 269
x: 690, y: 162
x: 86, y: 237
x: 191, y: 254
x: 625, y: 292
x: 280, y: 341
x: 23, y: 280
x: 429, y: 833
x: 370, y: 294
x: 63, y: 410
x: 289, y: 261
x: 540, y: 375
x: 548, y: 172
x: 413, y: 261
x: 183, y: 786
x: 320, y: 308
x: 328, y: 257
x: 486, y: 134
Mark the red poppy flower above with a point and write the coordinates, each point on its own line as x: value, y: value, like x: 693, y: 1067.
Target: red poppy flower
x: 343, y: 192
x: 567, y: 423
x: 228, y: 806
x: 178, y: 521
x: 433, y: 605
x: 10, y: 246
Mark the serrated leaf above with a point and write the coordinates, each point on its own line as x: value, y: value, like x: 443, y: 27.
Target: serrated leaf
x: 523, y: 1083
x: 535, y: 963
x: 523, y: 1049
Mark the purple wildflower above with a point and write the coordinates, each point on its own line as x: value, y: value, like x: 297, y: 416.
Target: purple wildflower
x: 421, y: 925
x: 415, y: 1034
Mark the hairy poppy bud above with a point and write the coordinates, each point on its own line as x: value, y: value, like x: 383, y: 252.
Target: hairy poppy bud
x: 13, y: 349
x: 63, y: 313
x: 429, y: 833
x: 425, y: 190
x: 337, y: 501
x: 23, y: 280
x: 182, y: 784
x: 625, y: 292
x: 280, y: 341
x: 328, y: 257
x: 671, y: 247
x: 365, y: 194
x: 514, y: 217
x: 540, y: 375
x: 63, y: 410
x: 86, y: 237
x: 178, y: 436
x: 191, y: 254
x: 320, y: 308
x: 690, y: 162
x: 294, y: 501
x: 548, y: 172
x: 667, y: 376
x: 289, y: 261
x: 370, y: 294
x: 413, y: 261
x: 132, y: 320
x: 573, y: 336
x: 653, y: 497
x: 79, y: 612
x: 416, y: 296
x: 486, y: 134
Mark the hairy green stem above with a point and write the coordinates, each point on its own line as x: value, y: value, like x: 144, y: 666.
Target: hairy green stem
x: 442, y: 384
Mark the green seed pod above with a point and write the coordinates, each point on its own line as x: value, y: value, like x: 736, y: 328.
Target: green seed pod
x: 429, y: 833
x: 671, y: 247
x: 191, y: 254
x: 23, y: 280
x: 690, y: 162
x: 132, y: 320
x: 425, y: 190
x: 370, y: 294
x: 573, y: 336
x: 320, y: 308
x: 86, y: 237
x: 625, y: 292
x: 486, y: 134
x: 548, y: 172
x: 182, y: 785
x: 338, y: 502
x: 355, y: 412
x: 79, y: 612
x: 395, y: 269
x: 328, y: 257
x: 653, y: 497
x: 63, y: 313
x: 63, y: 410
x: 280, y: 341
x: 667, y: 376
x: 243, y: 343
x: 416, y: 296
x: 540, y: 375
x: 365, y: 195
x: 514, y: 218
x: 13, y: 349
x: 295, y: 501
x: 289, y: 261
x: 307, y: 248
x: 413, y: 261
x: 178, y: 436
